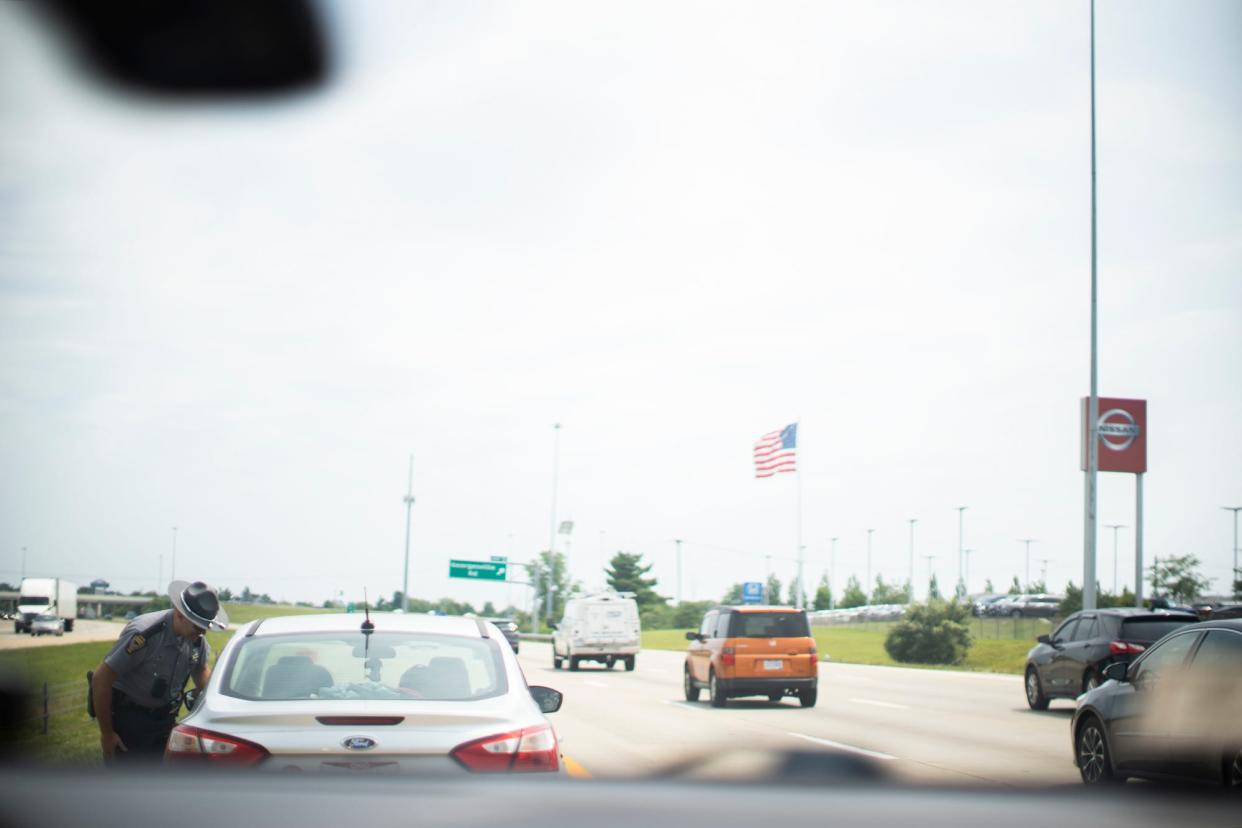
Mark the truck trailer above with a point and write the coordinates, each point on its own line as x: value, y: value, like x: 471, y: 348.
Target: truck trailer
x: 46, y: 596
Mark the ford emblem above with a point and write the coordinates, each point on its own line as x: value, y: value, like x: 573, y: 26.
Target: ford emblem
x: 359, y: 743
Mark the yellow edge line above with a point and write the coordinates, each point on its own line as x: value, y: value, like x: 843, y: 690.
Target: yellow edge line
x: 575, y: 770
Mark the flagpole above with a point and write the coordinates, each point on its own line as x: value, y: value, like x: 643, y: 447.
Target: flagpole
x: 798, y: 473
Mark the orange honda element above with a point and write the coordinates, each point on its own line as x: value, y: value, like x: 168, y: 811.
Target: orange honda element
x: 752, y: 651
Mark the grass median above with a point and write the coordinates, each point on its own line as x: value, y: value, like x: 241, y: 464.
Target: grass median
x: 864, y: 644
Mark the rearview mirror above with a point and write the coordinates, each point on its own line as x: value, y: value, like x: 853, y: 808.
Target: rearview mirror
x: 692, y: 636
x: 1116, y: 671
x: 549, y: 700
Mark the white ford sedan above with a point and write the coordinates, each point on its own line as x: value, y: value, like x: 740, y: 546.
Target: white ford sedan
x: 408, y: 694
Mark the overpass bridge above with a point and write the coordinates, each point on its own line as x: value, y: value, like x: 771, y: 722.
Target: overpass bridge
x: 89, y: 605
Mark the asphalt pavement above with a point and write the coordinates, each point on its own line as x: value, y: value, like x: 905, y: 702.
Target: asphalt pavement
x: 84, y: 629
x: 935, y: 726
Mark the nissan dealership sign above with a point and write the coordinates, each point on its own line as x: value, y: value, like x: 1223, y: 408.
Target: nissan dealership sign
x: 1122, y: 430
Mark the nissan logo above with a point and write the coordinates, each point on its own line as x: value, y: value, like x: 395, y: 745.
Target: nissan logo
x: 358, y: 743
x: 1117, y: 429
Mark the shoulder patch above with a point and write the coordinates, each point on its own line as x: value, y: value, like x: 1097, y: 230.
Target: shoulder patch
x: 136, y: 643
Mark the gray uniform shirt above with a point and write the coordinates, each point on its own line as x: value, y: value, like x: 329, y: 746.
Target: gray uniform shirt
x: 149, y: 658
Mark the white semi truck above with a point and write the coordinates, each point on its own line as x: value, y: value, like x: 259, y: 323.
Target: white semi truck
x: 46, y: 596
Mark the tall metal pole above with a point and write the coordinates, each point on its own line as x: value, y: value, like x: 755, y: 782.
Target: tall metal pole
x: 960, y: 511
x: 1028, y: 542
x: 966, y: 574
x: 1115, y: 527
x: 556, y: 465
x: 1237, y: 576
x: 867, y: 586
x: 832, y: 575
x: 172, y: 575
x: 408, y: 500
x: 911, y: 593
x: 1138, y: 540
x: 24, y: 565
x: 1043, y: 572
x: 1093, y: 402
x: 678, y: 542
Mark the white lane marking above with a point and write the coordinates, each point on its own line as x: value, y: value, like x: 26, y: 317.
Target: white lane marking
x: 878, y: 703
x: 686, y: 705
x: 841, y: 746
x: 590, y: 683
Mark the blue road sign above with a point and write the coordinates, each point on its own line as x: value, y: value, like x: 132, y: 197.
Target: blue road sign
x: 752, y: 592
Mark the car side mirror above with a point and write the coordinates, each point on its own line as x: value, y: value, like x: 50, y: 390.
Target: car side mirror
x: 552, y: 625
x: 1117, y: 671
x: 549, y: 700
x: 1043, y: 639
x: 693, y: 636
x: 191, y: 698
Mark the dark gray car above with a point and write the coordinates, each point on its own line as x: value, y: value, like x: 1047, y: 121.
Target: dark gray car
x: 1072, y: 659
x: 1175, y: 712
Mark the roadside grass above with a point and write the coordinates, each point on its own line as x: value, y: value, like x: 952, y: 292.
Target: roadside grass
x: 72, y: 736
x: 864, y: 644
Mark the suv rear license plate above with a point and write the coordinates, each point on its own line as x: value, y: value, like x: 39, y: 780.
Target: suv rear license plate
x: 773, y: 664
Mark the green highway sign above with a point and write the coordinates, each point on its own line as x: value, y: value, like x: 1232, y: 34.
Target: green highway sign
x: 478, y: 570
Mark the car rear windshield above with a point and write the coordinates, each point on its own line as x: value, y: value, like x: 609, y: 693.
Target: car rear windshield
x: 769, y: 625
x: 1148, y: 630
x: 381, y: 666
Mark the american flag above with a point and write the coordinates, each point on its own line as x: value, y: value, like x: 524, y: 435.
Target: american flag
x: 775, y: 451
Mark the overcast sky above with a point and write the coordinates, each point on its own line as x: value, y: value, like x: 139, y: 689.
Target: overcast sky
x: 670, y: 227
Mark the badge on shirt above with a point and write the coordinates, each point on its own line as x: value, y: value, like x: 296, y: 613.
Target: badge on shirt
x: 135, y: 644
x: 194, y: 656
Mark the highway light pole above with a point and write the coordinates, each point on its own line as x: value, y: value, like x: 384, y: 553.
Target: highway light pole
x: 960, y: 511
x: 966, y: 575
x: 1114, y: 527
x: 832, y: 576
x: 1093, y: 401
x: 1237, y: 576
x: 408, y: 500
x: 867, y: 586
x: 911, y: 595
x: 1028, y: 542
x: 556, y: 464
x: 678, y: 542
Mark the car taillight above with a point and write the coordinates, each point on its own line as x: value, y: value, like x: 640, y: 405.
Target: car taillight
x: 1125, y: 648
x: 194, y: 744
x: 727, y: 657
x: 531, y: 750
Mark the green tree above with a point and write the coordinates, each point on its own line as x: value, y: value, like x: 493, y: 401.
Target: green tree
x: 1178, y: 577
x: 225, y: 594
x: 931, y: 633
x: 625, y: 574
x: 1015, y: 588
x: 885, y: 593
x: 550, y: 573
x: 489, y: 610
x: 795, y: 586
x: 959, y: 591
x: 733, y: 596
x: 247, y: 597
x: 854, y: 595
x: 823, y: 594
x: 933, y: 588
x: 772, y: 594
x: 988, y: 588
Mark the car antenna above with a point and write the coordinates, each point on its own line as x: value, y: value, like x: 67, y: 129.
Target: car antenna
x: 367, y: 626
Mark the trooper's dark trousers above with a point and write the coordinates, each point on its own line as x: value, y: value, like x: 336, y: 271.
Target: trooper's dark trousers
x: 143, y: 731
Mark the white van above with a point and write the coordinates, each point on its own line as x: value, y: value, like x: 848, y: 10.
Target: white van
x: 601, y: 627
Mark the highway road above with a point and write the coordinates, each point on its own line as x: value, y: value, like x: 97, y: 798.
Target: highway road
x: 84, y: 629
x: 925, y: 726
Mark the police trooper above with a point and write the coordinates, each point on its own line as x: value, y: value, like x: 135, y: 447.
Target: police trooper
x: 137, y: 689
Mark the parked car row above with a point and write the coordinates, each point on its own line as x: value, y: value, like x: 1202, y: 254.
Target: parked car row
x: 1020, y: 606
